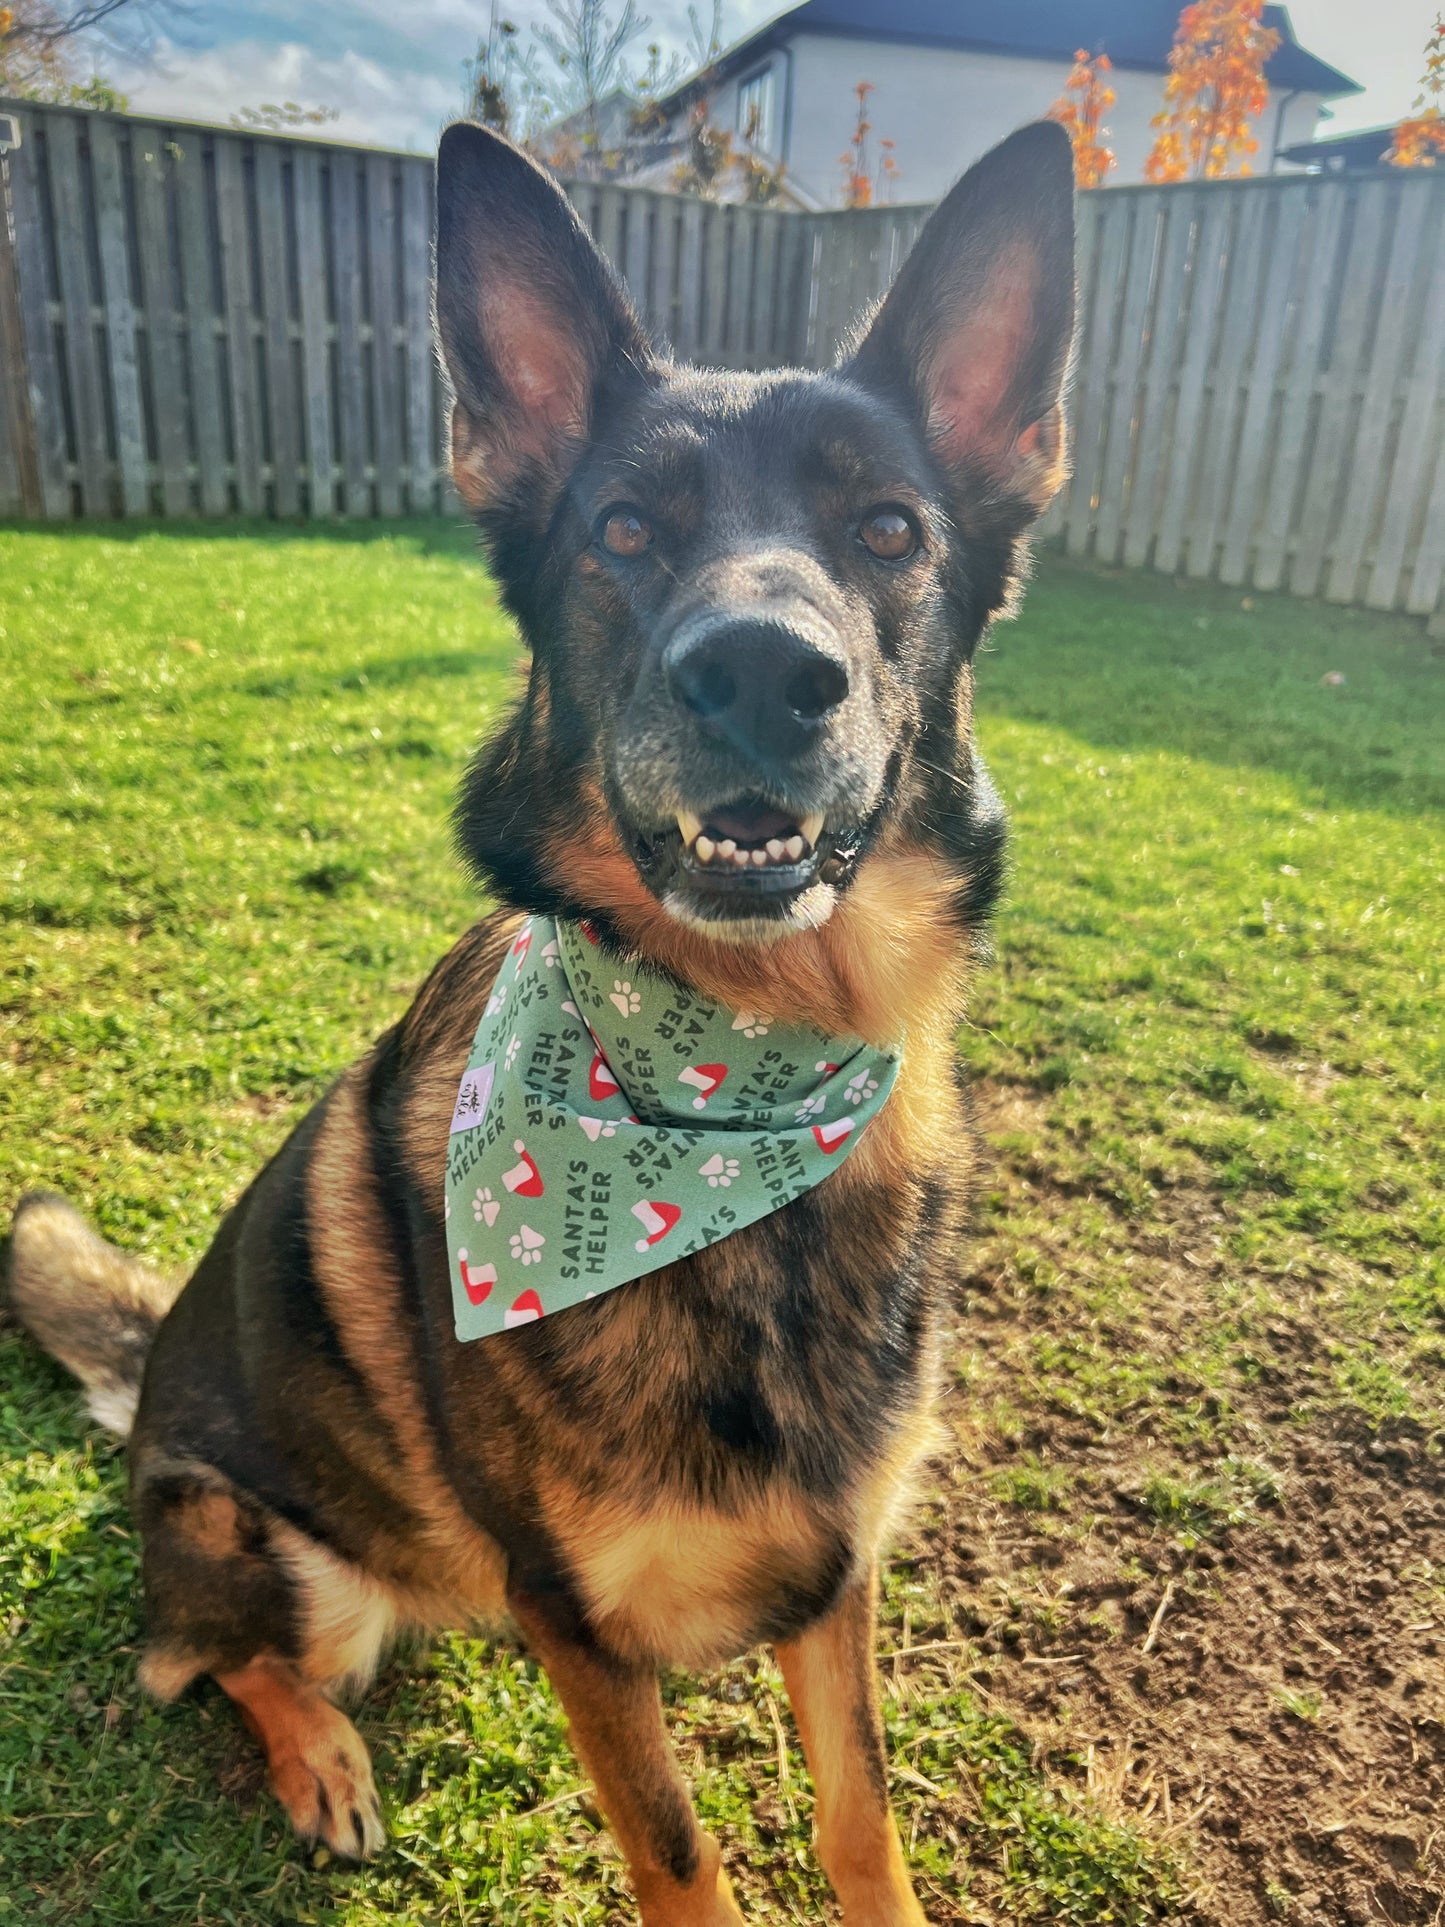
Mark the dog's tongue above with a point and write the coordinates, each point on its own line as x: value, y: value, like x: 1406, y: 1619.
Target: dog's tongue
x: 747, y: 825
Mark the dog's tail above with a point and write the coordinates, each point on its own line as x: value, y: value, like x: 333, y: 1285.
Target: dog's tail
x: 90, y: 1305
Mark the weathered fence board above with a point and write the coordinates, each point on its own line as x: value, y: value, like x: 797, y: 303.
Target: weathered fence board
x: 218, y: 323
x: 118, y: 318
x: 163, y: 360
x: 1252, y: 459
x: 14, y: 425
x: 1422, y: 434
x: 1097, y: 350
x: 1125, y: 373
x: 40, y: 383
x: 1395, y: 317
x: 1151, y: 399
x: 1287, y: 410
x: 74, y: 249
x: 201, y: 275
x: 313, y: 302
x: 19, y: 482
x: 420, y: 362
x: 199, y: 320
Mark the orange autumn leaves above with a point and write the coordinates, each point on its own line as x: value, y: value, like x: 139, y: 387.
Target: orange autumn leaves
x: 1215, y: 90
x: 1420, y: 138
x: 1081, y: 108
x: 863, y: 184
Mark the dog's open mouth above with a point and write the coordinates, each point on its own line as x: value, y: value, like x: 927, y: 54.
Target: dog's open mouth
x: 745, y: 851
x: 747, y: 836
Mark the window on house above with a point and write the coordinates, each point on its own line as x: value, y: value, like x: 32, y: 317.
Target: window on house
x: 756, y: 97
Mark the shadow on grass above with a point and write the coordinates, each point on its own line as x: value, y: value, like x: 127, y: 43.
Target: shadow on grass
x: 383, y: 672
x: 1132, y: 661
x: 1226, y: 676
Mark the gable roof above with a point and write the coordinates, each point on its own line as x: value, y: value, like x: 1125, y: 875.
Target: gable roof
x: 1134, y: 33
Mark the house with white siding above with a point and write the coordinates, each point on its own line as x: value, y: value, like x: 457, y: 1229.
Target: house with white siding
x: 952, y: 77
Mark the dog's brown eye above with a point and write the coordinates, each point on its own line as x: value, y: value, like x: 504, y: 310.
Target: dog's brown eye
x: 889, y: 534
x: 624, y: 532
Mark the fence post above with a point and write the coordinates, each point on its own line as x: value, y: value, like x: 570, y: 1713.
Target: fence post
x: 19, y: 452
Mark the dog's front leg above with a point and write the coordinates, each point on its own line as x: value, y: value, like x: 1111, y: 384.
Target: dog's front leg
x: 614, y: 1712
x: 831, y: 1676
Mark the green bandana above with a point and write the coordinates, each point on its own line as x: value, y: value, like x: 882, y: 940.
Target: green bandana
x: 610, y: 1122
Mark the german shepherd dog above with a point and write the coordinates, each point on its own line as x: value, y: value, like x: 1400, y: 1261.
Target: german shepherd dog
x: 752, y: 604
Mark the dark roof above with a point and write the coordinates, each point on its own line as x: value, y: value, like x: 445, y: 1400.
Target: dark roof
x: 1345, y: 153
x: 1134, y: 33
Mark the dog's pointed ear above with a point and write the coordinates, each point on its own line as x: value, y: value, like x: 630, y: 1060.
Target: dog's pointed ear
x: 977, y: 332
x: 532, y: 321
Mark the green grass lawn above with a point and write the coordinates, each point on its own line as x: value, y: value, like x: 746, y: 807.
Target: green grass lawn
x: 226, y: 762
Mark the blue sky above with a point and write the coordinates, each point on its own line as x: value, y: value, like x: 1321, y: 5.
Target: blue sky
x: 394, y: 67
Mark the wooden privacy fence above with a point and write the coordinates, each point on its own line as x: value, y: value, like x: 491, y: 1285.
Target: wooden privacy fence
x: 1260, y: 395
x: 200, y: 321
x: 212, y: 324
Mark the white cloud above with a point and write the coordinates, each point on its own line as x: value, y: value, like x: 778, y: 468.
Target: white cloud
x: 388, y: 106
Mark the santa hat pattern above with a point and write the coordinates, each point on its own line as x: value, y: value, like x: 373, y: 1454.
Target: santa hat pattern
x: 524, y: 1178
x: 705, y: 1079
x: 656, y: 1219
x: 600, y: 1081
x: 477, y: 1280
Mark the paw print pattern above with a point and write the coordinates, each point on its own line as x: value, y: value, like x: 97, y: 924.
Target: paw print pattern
x: 527, y: 1246
x: 750, y: 1024
x: 627, y: 1000
x: 551, y: 954
x: 811, y: 1107
x: 485, y: 1208
x: 496, y: 1000
x: 596, y: 1127
x: 719, y: 1171
x: 512, y: 1049
x: 860, y: 1088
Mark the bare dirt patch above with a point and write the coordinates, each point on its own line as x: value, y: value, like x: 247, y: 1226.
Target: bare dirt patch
x: 1232, y: 1634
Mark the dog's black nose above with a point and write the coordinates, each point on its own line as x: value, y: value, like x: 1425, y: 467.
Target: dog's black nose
x: 760, y: 684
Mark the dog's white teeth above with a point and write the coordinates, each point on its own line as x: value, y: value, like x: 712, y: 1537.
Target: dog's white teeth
x: 812, y: 828
x: 707, y: 846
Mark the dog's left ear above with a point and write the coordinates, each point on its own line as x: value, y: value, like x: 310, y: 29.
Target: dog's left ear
x: 533, y: 323
x: 978, y: 329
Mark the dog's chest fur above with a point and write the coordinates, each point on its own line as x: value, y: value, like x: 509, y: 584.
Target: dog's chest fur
x: 697, y: 1461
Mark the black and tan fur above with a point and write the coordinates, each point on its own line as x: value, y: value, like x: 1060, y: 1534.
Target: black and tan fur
x: 711, y: 1456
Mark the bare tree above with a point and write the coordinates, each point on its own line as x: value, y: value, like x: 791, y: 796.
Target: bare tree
x: 45, y: 45
x: 588, y: 46
x: 502, y: 86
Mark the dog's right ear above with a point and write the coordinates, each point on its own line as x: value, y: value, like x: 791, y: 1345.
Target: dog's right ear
x: 532, y: 321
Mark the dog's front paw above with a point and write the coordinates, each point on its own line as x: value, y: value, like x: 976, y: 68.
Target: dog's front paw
x: 326, y: 1787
